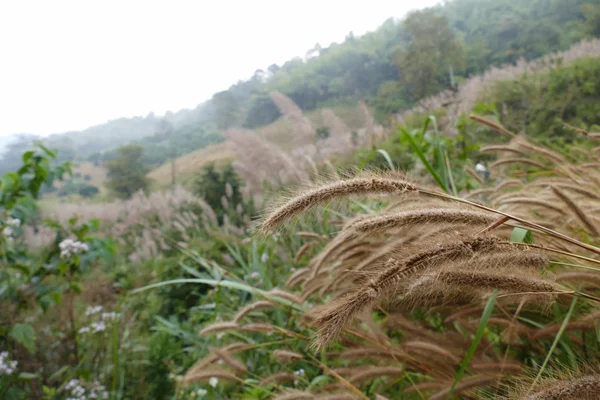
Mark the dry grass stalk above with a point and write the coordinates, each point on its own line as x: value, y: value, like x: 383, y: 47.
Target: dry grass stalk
x: 286, y: 356
x: 220, y: 327
x: 576, y: 210
x: 582, y: 388
x: 305, y: 248
x: 285, y: 295
x: 261, y: 304
x: 279, y: 378
x: 338, y: 314
x: 206, y: 375
x: 228, y: 359
x: 352, y: 186
x: 375, y: 372
x: 295, y: 396
x: 467, y: 384
x: 516, y: 160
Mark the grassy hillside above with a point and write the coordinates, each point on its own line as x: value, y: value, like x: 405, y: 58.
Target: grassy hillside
x: 279, y: 133
x: 384, y: 68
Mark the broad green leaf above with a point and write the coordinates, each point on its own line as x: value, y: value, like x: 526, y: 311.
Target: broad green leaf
x: 27, y: 376
x: 24, y: 335
x: 423, y: 159
x: 520, y: 235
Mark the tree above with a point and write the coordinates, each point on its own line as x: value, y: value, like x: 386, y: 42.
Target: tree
x: 214, y: 186
x: 226, y: 109
x: 432, y: 51
x: 127, y: 172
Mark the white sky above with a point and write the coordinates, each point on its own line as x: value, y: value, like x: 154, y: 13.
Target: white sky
x: 66, y: 65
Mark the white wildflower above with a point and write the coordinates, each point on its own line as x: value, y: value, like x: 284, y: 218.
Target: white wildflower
x: 85, y: 329
x: 201, y: 392
x: 98, y: 326
x: 110, y: 315
x: 264, y: 258
x: 70, y: 247
x: 71, y: 384
x: 93, y: 310
x: 214, y: 381
x: 7, y: 231
x: 7, y: 367
x: 13, y: 222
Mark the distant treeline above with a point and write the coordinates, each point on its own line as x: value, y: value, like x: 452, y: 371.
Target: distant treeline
x: 391, y: 68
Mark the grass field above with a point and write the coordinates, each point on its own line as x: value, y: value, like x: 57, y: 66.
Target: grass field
x: 277, y: 132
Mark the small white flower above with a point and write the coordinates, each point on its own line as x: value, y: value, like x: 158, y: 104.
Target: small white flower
x: 85, y: 329
x: 70, y: 247
x: 201, y: 392
x: 7, y: 231
x: 264, y: 258
x: 254, y: 275
x: 110, y: 315
x: 98, y: 326
x: 300, y: 372
x: 214, y: 381
x: 93, y: 310
x: 220, y: 335
x: 13, y: 222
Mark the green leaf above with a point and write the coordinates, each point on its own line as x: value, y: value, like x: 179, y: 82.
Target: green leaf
x: 27, y: 376
x: 24, y: 335
x: 387, y: 157
x: 487, y: 312
x: 555, y: 343
x: 521, y: 235
x: 423, y: 159
x: 366, y: 160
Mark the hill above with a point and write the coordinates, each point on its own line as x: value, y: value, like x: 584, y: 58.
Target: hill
x: 391, y: 68
x: 279, y: 132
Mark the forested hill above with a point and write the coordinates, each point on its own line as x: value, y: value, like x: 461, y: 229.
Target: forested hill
x: 391, y: 68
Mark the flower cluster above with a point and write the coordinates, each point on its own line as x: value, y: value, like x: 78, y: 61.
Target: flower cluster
x: 9, y: 226
x: 7, y: 367
x: 70, y: 247
x: 91, y: 310
x: 81, y: 390
x: 300, y: 374
x: 101, y: 324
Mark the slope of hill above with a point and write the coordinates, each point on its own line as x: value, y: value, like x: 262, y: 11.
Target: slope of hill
x: 278, y: 133
x: 379, y: 67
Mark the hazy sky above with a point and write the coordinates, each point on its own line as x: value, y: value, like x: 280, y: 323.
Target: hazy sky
x: 66, y: 65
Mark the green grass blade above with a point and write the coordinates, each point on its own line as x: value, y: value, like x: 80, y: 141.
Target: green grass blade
x: 555, y: 343
x: 387, y: 157
x: 366, y: 160
x: 487, y: 312
x: 408, y: 137
x: 221, y: 283
x: 449, y: 173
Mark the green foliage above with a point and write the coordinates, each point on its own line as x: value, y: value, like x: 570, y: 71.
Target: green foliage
x: 322, y: 132
x: 424, y: 66
x: 127, y: 172
x: 32, y: 283
x: 74, y: 186
x: 221, y: 190
x: 541, y: 103
x: 24, y: 335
